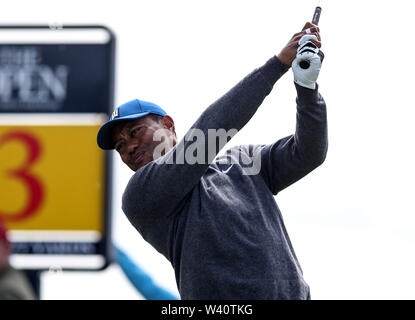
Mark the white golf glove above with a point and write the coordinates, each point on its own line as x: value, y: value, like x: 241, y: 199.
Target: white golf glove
x: 307, y: 55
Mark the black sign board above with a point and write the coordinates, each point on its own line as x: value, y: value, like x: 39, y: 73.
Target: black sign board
x: 59, y: 77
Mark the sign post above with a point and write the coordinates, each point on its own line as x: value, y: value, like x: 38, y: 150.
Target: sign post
x: 56, y: 89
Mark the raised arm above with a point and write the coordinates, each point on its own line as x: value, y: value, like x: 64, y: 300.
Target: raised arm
x: 293, y: 157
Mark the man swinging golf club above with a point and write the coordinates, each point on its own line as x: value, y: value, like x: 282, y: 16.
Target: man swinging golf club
x: 215, y: 217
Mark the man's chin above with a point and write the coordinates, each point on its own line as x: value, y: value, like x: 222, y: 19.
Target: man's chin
x: 135, y: 167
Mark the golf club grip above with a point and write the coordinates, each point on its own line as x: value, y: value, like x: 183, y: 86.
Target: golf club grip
x: 316, y: 18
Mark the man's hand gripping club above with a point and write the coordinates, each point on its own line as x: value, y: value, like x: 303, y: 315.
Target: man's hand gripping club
x: 304, y: 46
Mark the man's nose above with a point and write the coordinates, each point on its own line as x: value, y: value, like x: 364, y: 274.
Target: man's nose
x: 131, y: 147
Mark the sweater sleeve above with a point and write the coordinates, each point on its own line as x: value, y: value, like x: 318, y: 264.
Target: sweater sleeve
x: 158, y: 187
x: 289, y: 159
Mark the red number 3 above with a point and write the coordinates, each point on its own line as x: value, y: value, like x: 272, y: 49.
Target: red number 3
x: 33, y: 185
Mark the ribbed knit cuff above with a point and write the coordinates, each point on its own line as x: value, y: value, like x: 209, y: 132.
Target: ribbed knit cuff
x: 306, y: 95
x: 273, y: 69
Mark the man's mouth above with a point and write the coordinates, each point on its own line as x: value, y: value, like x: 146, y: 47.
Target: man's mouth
x: 139, y: 156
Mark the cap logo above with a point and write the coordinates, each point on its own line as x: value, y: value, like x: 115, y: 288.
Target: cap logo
x: 115, y: 114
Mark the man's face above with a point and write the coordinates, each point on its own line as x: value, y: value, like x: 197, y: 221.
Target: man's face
x: 134, y: 140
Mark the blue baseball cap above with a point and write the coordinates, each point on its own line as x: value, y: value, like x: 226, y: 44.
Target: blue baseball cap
x: 131, y: 110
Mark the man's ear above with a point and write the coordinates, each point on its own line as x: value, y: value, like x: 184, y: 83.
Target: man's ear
x: 168, y: 123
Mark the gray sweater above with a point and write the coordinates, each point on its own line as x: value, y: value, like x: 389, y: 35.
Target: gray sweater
x: 217, y: 222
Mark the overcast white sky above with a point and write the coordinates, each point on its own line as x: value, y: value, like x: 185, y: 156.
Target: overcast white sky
x: 352, y: 220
